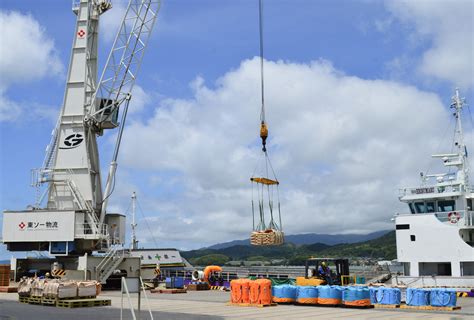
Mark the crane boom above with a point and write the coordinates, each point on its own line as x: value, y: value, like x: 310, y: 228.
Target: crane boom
x: 123, y: 63
x: 119, y: 75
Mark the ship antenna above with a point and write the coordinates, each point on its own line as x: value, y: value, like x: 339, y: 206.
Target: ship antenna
x: 457, y: 105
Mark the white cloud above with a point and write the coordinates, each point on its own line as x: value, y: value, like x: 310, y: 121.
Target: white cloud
x: 449, y: 25
x: 341, y: 146
x: 110, y: 21
x: 9, y: 110
x: 26, y: 51
x: 26, y: 54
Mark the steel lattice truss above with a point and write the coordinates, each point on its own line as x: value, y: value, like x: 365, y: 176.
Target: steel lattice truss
x: 125, y: 58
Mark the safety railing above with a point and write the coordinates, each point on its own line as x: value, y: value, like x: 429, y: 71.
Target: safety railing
x: 460, y: 218
x: 88, y: 231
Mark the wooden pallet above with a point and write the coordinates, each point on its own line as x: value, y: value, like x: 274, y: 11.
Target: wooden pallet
x: 34, y: 300
x: 198, y: 287
x: 404, y: 306
x: 252, y: 305
x: 23, y: 299
x: 386, y: 306
x: 171, y: 291
x: 83, y: 303
x: 48, y: 301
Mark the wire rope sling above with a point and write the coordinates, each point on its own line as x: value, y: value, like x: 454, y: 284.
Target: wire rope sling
x: 266, y: 183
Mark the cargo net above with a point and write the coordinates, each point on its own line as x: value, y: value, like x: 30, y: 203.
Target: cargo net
x: 264, y: 190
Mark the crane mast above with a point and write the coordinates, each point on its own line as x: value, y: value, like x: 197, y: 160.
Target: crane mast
x: 74, y: 215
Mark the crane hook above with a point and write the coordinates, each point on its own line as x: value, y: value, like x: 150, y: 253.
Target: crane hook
x: 264, y: 135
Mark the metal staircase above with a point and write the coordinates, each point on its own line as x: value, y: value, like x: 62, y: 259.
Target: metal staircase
x: 112, y: 259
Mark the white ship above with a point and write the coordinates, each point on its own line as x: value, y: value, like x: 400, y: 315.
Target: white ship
x: 435, y: 240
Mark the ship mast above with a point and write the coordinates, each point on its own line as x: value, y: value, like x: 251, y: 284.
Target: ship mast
x: 457, y: 105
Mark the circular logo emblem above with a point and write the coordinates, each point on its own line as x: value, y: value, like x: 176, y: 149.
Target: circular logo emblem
x: 22, y: 225
x: 73, y: 141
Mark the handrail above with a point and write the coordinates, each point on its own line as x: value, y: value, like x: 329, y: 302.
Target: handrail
x: 455, y: 217
x: 429, y: 189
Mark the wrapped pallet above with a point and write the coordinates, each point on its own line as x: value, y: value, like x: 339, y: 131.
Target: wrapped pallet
x: 24, y: 287
x: 87, y: 288
x: 37, y: 288
x: 51, y: 289
x: 98, y: 287
x: 67, y: 289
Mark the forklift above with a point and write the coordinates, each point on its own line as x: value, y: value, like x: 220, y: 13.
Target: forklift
x: 335, y: 276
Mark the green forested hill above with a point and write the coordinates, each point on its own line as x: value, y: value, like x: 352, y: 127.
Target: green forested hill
x: 382, y: 247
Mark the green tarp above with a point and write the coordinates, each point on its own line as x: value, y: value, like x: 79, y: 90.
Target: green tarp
x: 276, y: 281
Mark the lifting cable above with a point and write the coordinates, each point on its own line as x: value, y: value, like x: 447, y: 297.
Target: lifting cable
x: 271, y: 233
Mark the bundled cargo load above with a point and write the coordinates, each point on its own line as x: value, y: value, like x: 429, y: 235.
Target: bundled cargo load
x: 67, y: 289
x: 261, y: 292
x: 330, y: 295
x: 37, y: 288
x: 284, y: 293
x: 58, y: 288
x: 87, y: 288
x: 418, y: 297
x: 386, y: 296
x: 24, y: 287
x: 240, y: 290
x: 307, y: 295
x: 443, y: 298
x: 356, y: 296
x: 51, y: 289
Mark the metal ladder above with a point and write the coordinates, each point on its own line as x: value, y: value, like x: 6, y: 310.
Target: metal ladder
x: 109, y: 263
x: 86, y: 206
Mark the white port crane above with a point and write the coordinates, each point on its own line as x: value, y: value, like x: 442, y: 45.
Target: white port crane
x: 74, y: 219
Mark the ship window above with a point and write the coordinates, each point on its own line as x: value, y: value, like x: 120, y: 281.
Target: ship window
x: 166, y: 256
x: 412, y: 237
x: 420, y: 207
x: 149, y: 258
x: 469, y: 204
x: 402, y: 226
x: 412, y: 209
x: 430, y: 207
x: 446, y: 206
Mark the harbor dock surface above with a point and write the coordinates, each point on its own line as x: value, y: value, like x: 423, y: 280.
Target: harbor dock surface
x: 213, y: 305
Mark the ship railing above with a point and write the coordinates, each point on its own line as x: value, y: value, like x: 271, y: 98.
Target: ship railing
x: 460, y: 218
x: 429, y: 189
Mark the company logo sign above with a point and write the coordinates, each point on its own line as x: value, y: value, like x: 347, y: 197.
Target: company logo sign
x: 72, y: 141
x: 37, y: 225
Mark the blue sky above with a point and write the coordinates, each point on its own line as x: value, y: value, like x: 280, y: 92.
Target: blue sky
x: 374, y: 72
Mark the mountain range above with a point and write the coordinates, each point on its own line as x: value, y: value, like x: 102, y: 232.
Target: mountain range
x: 381, y: 247
x: 310, y: 238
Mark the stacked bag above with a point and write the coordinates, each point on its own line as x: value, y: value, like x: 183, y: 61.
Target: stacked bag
x: 385, y: 296
x: 57, y: 288
x: 254, y: 292
x: 307, y: 295
x: 284, y: 293
x: 356, y: 296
